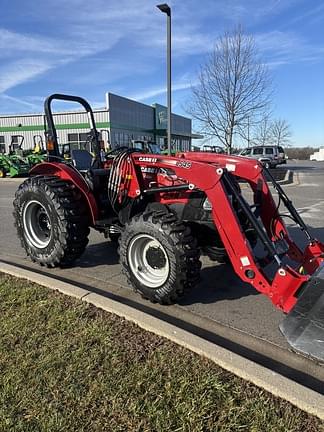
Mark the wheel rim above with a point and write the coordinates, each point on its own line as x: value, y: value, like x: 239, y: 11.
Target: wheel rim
x: 37, y: 225
x: 148, y: 260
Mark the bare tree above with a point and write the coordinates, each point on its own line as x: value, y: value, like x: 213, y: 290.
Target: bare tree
x: 246, y: 133
x: 262, y: 132
x: 233, y: 88
x: 257, y: 132
x: 280, y: 132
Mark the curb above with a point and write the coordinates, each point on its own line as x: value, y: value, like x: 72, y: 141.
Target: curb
x: 298, y: 395
x: 289, y: 178
x: 13, y: 179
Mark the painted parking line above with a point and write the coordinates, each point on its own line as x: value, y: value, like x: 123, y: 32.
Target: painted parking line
x: 314, y: 211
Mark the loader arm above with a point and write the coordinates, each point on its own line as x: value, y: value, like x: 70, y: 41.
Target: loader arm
x: 253, y: 173
x: 215, y: 179
x: 298, y: 294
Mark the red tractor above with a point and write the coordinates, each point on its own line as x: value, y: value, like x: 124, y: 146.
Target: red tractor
x: 166, y: 211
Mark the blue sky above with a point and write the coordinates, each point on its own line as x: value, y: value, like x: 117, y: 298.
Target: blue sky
x: 89, y: 47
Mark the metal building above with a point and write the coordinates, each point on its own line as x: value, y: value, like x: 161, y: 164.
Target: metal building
x: 120, y: 122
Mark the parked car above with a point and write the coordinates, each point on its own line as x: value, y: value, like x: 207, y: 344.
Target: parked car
x: 269, y: 156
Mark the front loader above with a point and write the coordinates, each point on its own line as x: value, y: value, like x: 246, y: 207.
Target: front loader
x: 167, y: 211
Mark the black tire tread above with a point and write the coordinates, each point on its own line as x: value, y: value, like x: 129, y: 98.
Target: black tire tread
x: 72, y: 215
x: 185, y: 249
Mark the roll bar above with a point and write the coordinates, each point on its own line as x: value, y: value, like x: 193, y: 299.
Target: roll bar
x: 51, y: 135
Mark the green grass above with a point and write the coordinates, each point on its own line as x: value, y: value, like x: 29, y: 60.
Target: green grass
x: 67, y: 366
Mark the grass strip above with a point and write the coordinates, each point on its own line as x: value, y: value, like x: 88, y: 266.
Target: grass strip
x: 68, y: 366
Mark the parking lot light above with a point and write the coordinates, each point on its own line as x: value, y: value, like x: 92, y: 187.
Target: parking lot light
x: 167, y: 10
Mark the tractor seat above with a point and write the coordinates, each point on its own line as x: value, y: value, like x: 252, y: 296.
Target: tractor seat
x: 82, y: 160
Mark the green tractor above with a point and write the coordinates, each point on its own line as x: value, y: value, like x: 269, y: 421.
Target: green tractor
x: 13, y: 167
x: 32, y: 156
x: 14, y: 163
x: 38, y: 153
x: 3, y: 171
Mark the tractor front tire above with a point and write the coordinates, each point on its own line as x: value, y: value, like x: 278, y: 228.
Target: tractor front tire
x: 159, y: 256
x: 52, y: 220
x: 2, y: 173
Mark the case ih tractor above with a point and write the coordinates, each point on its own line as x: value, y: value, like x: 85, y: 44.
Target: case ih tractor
x: 166, y: 211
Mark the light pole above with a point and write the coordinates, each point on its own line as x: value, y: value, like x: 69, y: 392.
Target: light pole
x: 167, y: 10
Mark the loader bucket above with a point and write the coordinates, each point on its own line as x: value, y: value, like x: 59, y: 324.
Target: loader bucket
x: 303, y: 327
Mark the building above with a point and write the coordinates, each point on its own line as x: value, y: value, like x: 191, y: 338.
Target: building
x: 318, y: 155
x: 120, y: 122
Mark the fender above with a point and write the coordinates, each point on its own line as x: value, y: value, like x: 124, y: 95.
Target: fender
x: 66, y: 172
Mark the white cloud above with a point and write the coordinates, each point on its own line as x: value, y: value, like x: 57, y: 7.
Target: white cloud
x: 281, y: 47
x: 86, y: 29
x: 18, y: 72
x: 26, y: 57
x: 153, y: 92
x: 20, y: 101
x: 131, y: 38
x: 315, y: 14
x: 234, y: 11
x: 16, y: 42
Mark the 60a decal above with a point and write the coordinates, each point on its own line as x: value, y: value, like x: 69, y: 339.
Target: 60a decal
x: 183, y: 164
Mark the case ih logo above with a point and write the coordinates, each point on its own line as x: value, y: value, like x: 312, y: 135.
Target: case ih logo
x: 149, y: 170
x: 147, y: 159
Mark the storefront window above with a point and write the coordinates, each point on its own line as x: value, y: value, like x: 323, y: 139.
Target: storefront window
x: 2, y: 144
x: 78, y: 141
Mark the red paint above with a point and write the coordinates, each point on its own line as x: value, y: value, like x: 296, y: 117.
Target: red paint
x: 65, y: 172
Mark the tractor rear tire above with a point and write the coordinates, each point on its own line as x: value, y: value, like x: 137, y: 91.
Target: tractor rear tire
x: 52, y: 220
x: 159, y: 256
